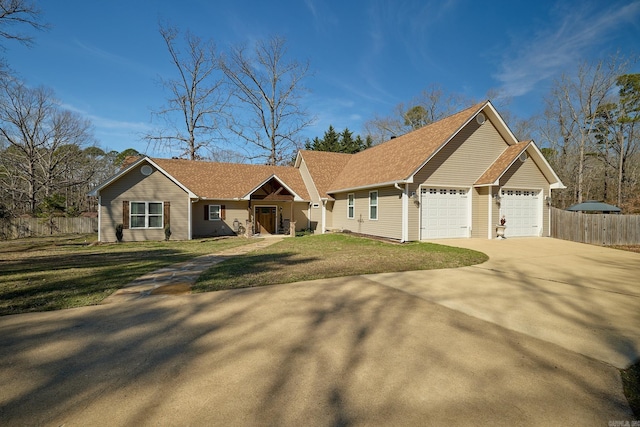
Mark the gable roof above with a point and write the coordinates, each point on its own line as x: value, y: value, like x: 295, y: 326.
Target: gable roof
x: 493, y: 174
x: 212, y: 180
x: 398, y: 159
x: 324, y: 167
x: 226, y: 181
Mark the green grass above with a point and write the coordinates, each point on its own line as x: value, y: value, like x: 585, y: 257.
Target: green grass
x: 330, y: 255
x: 39, y: 274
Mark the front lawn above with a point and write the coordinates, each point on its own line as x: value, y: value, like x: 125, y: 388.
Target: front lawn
x: 330, y: 255
x: 51, y: 273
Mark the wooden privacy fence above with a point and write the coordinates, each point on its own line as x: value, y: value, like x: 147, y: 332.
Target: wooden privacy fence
x: 15, y: 228
x: 596, y: 229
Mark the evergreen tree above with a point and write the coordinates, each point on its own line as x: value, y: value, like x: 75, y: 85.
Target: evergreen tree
x: 342, y: 142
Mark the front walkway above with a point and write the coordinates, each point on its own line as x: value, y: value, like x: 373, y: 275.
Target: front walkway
x: 178, y: 278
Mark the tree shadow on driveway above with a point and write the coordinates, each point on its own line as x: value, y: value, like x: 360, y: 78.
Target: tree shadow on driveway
x: 344, y: 351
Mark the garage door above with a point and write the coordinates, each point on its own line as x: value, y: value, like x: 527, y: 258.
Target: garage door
x: 444, y: 213
x: 521, y: 210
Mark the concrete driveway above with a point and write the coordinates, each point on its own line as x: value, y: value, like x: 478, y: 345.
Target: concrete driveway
x: 374, y: 350
x: 584, y: 298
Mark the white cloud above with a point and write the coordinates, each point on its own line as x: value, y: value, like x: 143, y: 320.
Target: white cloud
x: 568, y: 40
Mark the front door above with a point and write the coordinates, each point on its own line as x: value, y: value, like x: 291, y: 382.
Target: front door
x: 266, y: 219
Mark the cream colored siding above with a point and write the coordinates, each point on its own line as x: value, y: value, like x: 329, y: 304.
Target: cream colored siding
x: 239, y: 211
x: 389, y: 222
x: 527, y: 176
x: 414, y: 213
x: 495, y: 212
x: 314, y: 213
x: 300, y: 215
x: 224, y: 227
x: 465, y: 158
x: 480, y: 218
x: 459, y: 164
x: 135, y: 187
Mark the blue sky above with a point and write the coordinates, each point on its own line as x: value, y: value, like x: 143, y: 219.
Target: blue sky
x: 104, y: 59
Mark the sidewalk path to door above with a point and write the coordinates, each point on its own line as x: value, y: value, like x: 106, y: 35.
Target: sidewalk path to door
x: 178, y: 278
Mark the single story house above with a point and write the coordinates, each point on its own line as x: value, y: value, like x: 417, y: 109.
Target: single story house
x: 454, y: 178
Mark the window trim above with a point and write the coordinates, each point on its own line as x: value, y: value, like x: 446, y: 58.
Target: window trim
x: 351, y: 205
x: 146, y: 215
x: 219, y: 213
x: 372, y: 205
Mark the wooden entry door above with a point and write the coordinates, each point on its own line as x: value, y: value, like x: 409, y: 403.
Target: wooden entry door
x: 266, y: 219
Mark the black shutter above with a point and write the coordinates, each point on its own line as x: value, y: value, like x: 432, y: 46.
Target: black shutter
x: 223, y: 214
x: 206, y: 212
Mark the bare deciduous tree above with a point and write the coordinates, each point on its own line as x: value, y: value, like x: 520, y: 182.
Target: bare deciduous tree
x: 19, y: 13
x: 197, y: 99
x: 572, y: 106
x: 269, y: 88
x: 429, y: 106
x: 35, y: 131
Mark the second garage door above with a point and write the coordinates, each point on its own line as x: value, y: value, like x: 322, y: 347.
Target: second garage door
x: 444, y: 213
x: 521, y: 210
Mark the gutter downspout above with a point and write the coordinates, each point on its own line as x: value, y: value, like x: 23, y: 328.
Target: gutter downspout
x: 324, y: 214
x: 190, y: 216
x: 405, y: 210
x: 99, y: 216
x: 490, y: 212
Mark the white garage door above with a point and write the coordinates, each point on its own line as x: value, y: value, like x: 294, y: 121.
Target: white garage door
x: 444, y: 213
x: 521, y: 210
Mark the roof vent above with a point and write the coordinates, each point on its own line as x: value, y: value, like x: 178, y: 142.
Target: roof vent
x: 146, y: 170
x: 523, y: 156
x: 480, y: 118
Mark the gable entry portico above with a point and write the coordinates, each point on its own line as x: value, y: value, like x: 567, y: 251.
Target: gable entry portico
x: 266, y: 205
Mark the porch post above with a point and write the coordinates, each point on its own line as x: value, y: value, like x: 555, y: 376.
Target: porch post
x: 292, y: 220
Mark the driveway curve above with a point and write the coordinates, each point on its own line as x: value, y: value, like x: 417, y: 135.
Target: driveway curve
x: 364, y: 350
x: 581, y: 297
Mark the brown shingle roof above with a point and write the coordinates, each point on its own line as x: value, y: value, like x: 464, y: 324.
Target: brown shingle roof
x: 324, y: 167
x: 213, y: 180
x: 398, y: 159
x: 502, y: 163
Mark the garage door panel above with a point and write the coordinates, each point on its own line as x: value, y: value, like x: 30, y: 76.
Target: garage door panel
x: 521, y: 211
x: 444, y: 213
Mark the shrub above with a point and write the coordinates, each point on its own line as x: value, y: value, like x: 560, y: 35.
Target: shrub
x: 119, y: 229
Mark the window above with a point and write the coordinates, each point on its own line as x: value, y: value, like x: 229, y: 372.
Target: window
x: 351, y: 206
x: 373, y: 205
x: 146, y: 215
x: 214, y: 213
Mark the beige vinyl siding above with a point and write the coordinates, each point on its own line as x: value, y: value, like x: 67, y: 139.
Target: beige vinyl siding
x: 239, y: 210
x: 459, y: 164
x: 480, y: 218
x: 495, y: 212
x: 135, y: 187
x: 300, y: 215
x: 224, y: 227
x: 314, y: 213
x: 308, y: 181
x: 389, y: 222
x: 465, y: 158
x: 527, y: 176
x: 414, y: 214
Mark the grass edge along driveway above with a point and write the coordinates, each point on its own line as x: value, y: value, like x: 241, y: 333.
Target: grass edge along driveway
x: 330, y: 255
x: 58, y: 272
